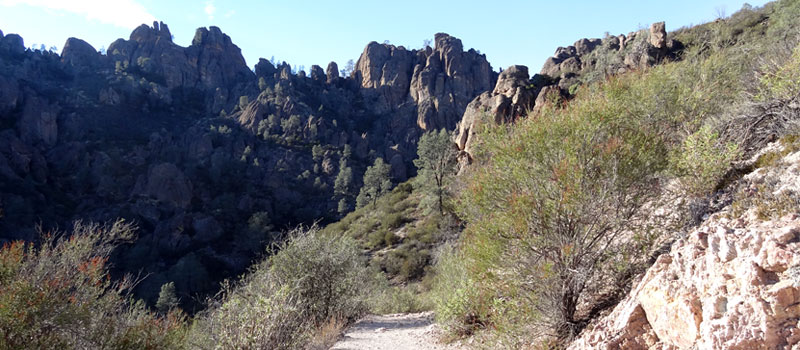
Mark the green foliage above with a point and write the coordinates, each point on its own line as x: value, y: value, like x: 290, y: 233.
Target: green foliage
x: 399, y: 233
x: 765, y: 201
x: 343, y: 186
x: 376, y: 183
x: 783, y: 21
x: 347, y: 151
x: 557, y: 191
x: 342, y: 207
x: 344, y: 179
x: 459, y: 307
x: 317, y: 152
x: 782, y: 82
x: 273, y: 121
x: 399, y: 299
x: 312, y: 279
x: 328, y: 274
x: 243, y: 102
x: 58, y: 295
x: 262, y: 84
x: 292, y: 125
x: 702, y: 161
x: 257, y: 232
x: 437, y: 165
x: 167, y: 300
x: 263, y: 129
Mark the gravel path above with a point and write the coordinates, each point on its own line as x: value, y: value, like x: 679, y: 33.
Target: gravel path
x: 395, y: 332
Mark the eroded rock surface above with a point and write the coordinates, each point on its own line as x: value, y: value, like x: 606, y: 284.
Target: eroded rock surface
x: 733, y: 283
x: 593, y: 59
x: 440, y: 81
x: 513, y: 97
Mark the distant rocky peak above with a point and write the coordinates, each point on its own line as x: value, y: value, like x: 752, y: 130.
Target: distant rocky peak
x: 444, y: 42
x: 211, y: 36
x: 439, y: 81
x: 145, y: 33
x: 80, y: 53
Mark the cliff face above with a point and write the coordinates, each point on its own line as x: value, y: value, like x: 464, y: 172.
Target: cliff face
x: 440, y: 81
x: 732, y: 283
x: 211, y: 65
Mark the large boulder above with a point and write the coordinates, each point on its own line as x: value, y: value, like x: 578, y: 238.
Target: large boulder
x: 79, y: 53
x: 265, y: 69
x: 332, y: 72
x: 317, y: 74
x: 166, y: 183
x: 513, y: 97
x: 596, y: 58
x: 447, y: 81
x: 733, y: 283
x: 13, y: 44
x: 658, y: 35
x: 383, y: 72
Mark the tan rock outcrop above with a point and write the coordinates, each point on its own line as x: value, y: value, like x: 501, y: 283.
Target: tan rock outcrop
x: 733, y: 283
x: 658, y: 35
x: 511, y: 98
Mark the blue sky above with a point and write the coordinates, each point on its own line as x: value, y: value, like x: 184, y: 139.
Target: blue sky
x: 312, y: 32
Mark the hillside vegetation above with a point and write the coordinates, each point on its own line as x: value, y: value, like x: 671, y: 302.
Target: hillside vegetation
x: 561, y: 209
x: 551, y: 217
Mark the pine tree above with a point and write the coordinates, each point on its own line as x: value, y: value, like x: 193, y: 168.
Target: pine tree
x: 342, y: 186
x: 376, y: 183
x: 167, y: 299
x: 436, y: 164
x: 344, y: 180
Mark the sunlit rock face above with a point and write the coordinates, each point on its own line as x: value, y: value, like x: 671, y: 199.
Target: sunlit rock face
x: 732, y: 283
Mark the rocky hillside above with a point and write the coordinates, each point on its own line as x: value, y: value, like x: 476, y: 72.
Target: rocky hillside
x: 731, y: 283
x: 607, y: 204
x: 208, y: 157
x: 517, y: 93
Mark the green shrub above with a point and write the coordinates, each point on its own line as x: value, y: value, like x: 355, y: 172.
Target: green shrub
x: 414, y: 264
x: 312, y: 280
x: 328, y: 271
x: 547, y: 209
x: 390, y: 239
x: 167, y: 300
x: 58, y: 295
x: 459, y: 307
x: 399, y: 299
x: 391, y: 221
x: 702, y: 161
x: 782, y: 82
x: 376, y: 239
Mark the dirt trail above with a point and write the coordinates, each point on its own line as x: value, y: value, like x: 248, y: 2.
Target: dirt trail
x: 395, y: 332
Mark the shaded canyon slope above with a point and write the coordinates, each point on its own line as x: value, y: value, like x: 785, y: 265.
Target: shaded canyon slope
x: 208, y: 157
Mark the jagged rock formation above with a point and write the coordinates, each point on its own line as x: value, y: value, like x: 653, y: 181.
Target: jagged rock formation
x: 440, y: 81
x: 395, y: 94
x: 585, y: 61
x: 513, y: 97
x: 733, y: 283
x: 592, y: 59
x: 212, y: 65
